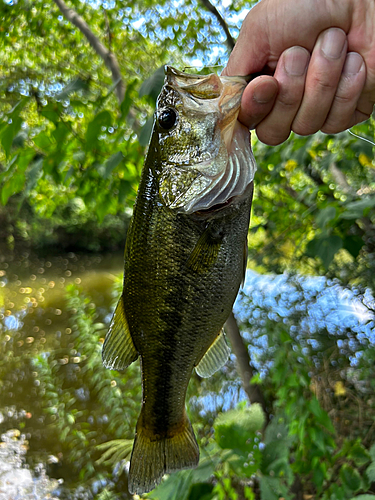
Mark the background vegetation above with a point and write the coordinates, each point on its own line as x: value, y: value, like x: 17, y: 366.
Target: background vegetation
x: 77, y: 92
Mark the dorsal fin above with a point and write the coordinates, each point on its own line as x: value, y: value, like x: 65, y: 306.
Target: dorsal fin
x: 118, y: 349
x: 216, y: 356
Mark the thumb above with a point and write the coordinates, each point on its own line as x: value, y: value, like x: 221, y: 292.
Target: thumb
x: 252, y: 50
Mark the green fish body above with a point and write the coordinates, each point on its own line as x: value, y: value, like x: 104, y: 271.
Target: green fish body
x: 185, y: 259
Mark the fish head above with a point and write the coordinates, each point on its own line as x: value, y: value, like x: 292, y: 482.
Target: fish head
x: 205, y: 153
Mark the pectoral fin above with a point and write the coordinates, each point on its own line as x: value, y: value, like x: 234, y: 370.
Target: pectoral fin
x: 216, y: 356
x: 118, y: 349
x: 205, y: 252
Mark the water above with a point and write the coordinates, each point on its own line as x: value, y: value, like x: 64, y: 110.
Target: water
x: 34, y: 321
x: 17, y: 482
x: 36, y: 325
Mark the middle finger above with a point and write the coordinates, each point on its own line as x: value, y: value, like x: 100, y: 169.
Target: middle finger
x: 323, y: 75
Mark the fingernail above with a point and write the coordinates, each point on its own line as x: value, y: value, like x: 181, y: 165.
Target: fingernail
x: 296, y: 60
x: 333, y: 43
x: 263, y: 94
x: 353, y: 64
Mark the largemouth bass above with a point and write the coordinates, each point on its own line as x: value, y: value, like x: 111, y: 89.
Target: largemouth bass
x: 185, y: 258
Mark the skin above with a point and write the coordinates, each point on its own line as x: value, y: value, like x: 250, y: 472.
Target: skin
x: 317, y: 60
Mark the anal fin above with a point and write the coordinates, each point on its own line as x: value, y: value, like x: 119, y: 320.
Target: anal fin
x: 118, y: 349
x: 215, y: 357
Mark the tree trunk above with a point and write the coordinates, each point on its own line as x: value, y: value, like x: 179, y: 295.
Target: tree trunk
x: 244, y: 367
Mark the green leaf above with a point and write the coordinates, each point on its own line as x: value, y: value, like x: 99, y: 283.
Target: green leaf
x: 112, y: 163
x: 359, y: 455
x: 326, y: 215
x: 321, y: 415
x: 201, y: 491
x: 370, y: 471
x: 12, y: 186
x: 363, y: 497
x: 234, y: 427
x: 52, y: 112
x: 73, y: 86
x: 128, y: 98
x: 9, y: 133
x: 353, y: 244
x: 358, y: 209
x: 269, y: 488
x: 146, y: 130
x: 42, y: 141
x: 319, y: 474
x: 94, y: 129
x: 175, y: 487
x: 152, y: 86
x: 350, y: 477
x: 60, y: 133
x: 324, y: 247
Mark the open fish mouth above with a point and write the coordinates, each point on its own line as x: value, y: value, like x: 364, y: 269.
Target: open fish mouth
x: 228, y: 165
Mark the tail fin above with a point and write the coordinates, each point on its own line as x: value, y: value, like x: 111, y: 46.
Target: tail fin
x: 152, y: 457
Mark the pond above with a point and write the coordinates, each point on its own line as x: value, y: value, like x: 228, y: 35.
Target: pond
x: 35, y: 322
x: 54, y: 313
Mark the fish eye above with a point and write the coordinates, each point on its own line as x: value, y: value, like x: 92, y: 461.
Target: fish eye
x: 167, y: 118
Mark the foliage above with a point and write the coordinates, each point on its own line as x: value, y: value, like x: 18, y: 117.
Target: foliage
x: 64, y: 138
x: 314, y: 209
x: 71, y: 155
x: 79, y: 403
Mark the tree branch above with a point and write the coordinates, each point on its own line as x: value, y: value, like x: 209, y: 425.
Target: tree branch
x: 245, y: 369
x: 108, y: 57
x: 211, y: 8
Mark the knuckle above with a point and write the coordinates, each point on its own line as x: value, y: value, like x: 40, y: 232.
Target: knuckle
x: 332, y: 127
x: 290, y: 99
x: 302, y: 127
x: 324, y: 86
x: 271, y: 137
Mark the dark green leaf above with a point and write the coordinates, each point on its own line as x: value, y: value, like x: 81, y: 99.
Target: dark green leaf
x: 269, y: 488
x: 358, y: 209
x: 353, y: 245
x: 12, y: 186
x: 201, y: 491
x: 112, y: 163
x: 9, y: 133
x: 359, y: 455
x: 94, y: 129
x: 320, y: 415
x: 235, y: 427
x: 324, y: 247
x: 52, y: 112
x: 363, y: 497
x: 370, y: 471
x: 73, y: 86
x: 152, y: 86
x: 325, y: 216
x: 350, y: 477
x: 128, y: 98
x: 145, y: 133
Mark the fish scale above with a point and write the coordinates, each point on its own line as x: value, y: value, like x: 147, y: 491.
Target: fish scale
x: 183, y: 267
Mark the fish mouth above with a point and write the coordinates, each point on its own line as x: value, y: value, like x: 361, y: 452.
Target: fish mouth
x: 223, y: 179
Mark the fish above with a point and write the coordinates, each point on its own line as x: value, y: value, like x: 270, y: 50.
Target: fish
x: 185, y: 259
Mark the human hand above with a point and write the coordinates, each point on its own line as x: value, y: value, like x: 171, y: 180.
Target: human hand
x: 322, y: 57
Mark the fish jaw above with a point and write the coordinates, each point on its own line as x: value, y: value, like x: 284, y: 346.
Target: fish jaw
x: 224, y: 165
